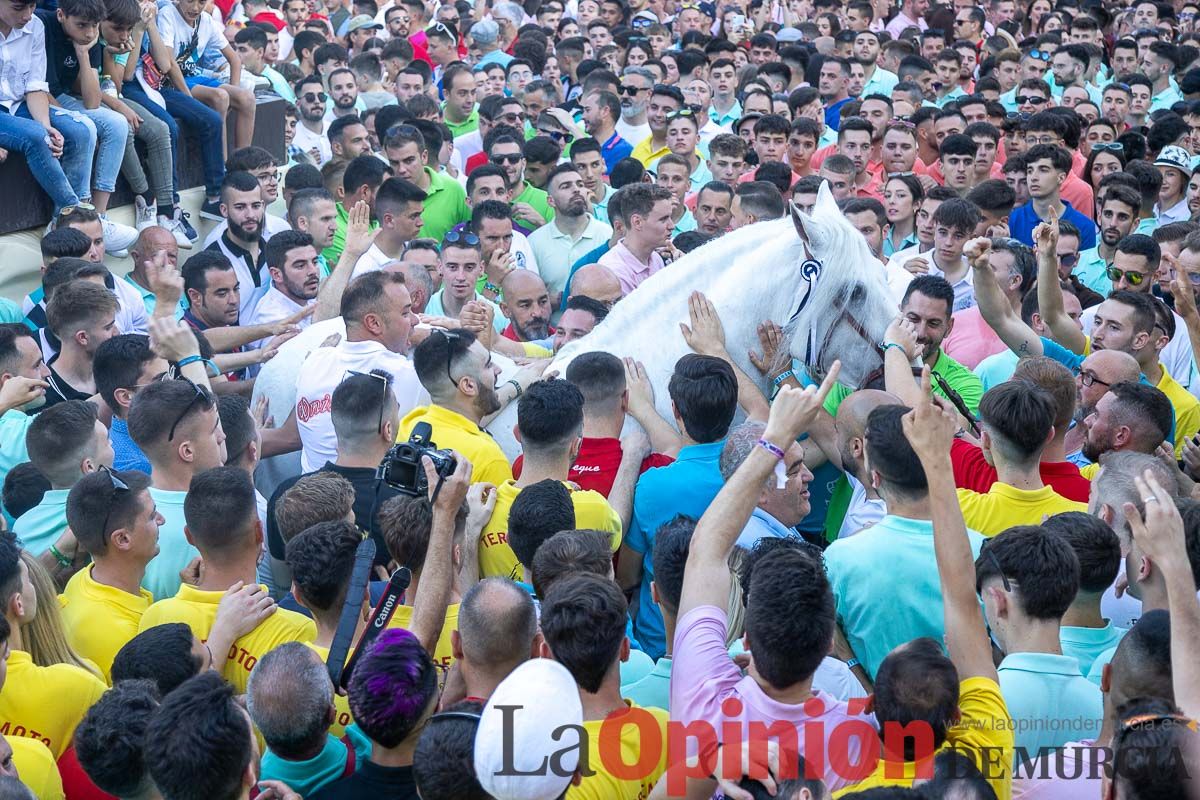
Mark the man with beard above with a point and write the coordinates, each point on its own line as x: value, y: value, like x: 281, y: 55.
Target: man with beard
x: 1130, y: 416
x: 310, y: 133
x: 343, y: 90
x: 460, y: 267
x: 295, y: 278
x: 460, y: 377
x: 1099, y: 372
x: 714, y: 203
x: 572, y: 233
x: 526, y: 302
x: 348, y: 138
x: 636, y: 85
x: 1119, y: 207
x: 242, y: 242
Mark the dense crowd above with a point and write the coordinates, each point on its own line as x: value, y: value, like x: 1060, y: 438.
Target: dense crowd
x: 259, y: 541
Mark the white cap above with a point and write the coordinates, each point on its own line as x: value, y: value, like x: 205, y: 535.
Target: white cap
x: 517, y: 733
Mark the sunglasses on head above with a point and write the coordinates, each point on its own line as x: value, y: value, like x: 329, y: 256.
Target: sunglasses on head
x: 383, y: 380
x: 1134, y: 278
x: 465, y: 237
x: 315, y: 97
x: 508, y: 158
x: 200, y: 396
x: 118, y: 486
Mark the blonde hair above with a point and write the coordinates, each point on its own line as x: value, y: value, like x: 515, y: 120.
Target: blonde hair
x: 735, y: 612
x: 45, y: 637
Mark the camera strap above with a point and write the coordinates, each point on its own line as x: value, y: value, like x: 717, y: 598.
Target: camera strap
x: 381, y: 615
x: 360, y: 575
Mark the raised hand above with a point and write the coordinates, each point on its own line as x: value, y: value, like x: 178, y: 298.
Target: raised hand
x: 1158, y: 532
x: 902, y: 332
x: 1045, y: 235
x: 639, y: 388
x: 172, y: 339
x: 454, y: 487
x: 794, y: 410
x: 977, y: 251
x: 359, y: 236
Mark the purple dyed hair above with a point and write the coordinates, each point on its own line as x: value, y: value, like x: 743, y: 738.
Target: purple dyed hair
x: 392, y: 686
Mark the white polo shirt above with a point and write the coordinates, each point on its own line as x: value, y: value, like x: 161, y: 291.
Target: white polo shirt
x: 370, y: 261
x: 323, y: 370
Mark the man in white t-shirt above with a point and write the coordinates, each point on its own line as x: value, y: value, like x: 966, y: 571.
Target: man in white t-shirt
x: 312, y: 129
x: 295, y: 279
x: 377, y: 310
x: 398, y: 206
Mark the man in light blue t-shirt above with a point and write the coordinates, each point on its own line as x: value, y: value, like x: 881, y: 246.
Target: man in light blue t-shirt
x: 65, y: 442
x: 704, y: 395
x: 1027, y: 580
x: 176, y: 425
x: 899, y: 546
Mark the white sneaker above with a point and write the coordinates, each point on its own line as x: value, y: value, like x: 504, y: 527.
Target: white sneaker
x: 143, y: 213
x: 177, y: 230
x: 118, y: 238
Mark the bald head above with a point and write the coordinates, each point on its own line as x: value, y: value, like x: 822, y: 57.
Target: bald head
x: 597, y: 282
x: 1113, y: 366
x: 151, y: 241
x: 522, y: 282
x: 851, y: 424
x: 417, y: 279
x: 496, y: 625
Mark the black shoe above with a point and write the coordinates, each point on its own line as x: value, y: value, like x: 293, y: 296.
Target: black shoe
x: 211, y: 210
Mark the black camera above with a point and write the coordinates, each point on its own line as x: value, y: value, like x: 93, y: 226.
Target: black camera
x: 401, y: 468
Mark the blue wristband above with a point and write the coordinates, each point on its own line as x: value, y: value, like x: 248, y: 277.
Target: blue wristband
x: 183, y: 362
x: 779, y: 379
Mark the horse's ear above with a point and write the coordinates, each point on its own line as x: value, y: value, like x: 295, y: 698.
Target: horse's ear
x: 800, y: 220
x: 825, y: 203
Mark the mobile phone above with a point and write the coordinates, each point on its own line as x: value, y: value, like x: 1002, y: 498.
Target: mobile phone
x: 739, y: 22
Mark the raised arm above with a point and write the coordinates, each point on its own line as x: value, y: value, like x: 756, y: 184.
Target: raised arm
x: 900, y: 348
x: 1050, y: 297
x: 706, y: 576
x: 997, y: 312
x: 433, y: 593
x: 1161, y: 538
x: 640, y: 392
x: 1185, y: 304
x: 930, y: 430
x: 359, y: 238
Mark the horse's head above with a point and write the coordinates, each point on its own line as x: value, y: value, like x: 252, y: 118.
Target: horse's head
x: 842, y: 303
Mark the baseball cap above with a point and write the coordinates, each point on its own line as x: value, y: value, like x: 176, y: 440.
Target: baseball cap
x: 486, y: 31
x: 747, y: 117
x: 525, y: 719
x: 1174, y: 156
x: 363, y: 21
x: 271, y: 19
x: 788, y: 35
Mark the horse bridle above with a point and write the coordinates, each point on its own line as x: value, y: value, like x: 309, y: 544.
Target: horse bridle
x: 809, y: 270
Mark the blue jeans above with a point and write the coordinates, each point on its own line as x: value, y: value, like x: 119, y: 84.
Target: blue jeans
x: 112, y: 132
x: 201, y: 120
x: 28, y: 138
x: 79, y: 146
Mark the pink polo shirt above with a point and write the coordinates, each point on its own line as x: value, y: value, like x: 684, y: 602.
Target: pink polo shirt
x: 629, y: 270
x: 706, y: 686
x: 971, y: 340
x: 1079, y: 194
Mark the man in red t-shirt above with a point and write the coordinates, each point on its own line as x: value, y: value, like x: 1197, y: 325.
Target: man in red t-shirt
x: 971, y: 468
x: 611, y: 390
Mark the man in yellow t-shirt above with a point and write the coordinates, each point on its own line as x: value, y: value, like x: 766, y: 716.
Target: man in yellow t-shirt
x: 550, y: 427
x: 1018, y: 422
x: 406, y: 524
x: 222, y: 522
x: 42, y: 703
x: 613, y: 725
x: 115, y: 520
x: 460, y: 377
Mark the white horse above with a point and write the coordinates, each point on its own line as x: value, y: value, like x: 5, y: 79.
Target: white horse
x: 814, y: 276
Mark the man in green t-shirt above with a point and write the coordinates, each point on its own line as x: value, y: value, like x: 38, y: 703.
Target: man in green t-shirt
x: 505, y: 147
x: 446, y: 201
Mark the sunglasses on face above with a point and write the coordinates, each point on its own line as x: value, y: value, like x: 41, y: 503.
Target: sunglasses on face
x: 1134, y: 278
x: 1108, y: 147
x: 1032, y: 99
x: 558, y: 136
x: 511, y: 158
x: 317, y: 97
x: 633, y: 90
x: 1041, y: 55
x: 1069, y: 260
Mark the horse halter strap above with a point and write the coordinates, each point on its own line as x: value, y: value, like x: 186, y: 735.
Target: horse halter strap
x: 809, y: 269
